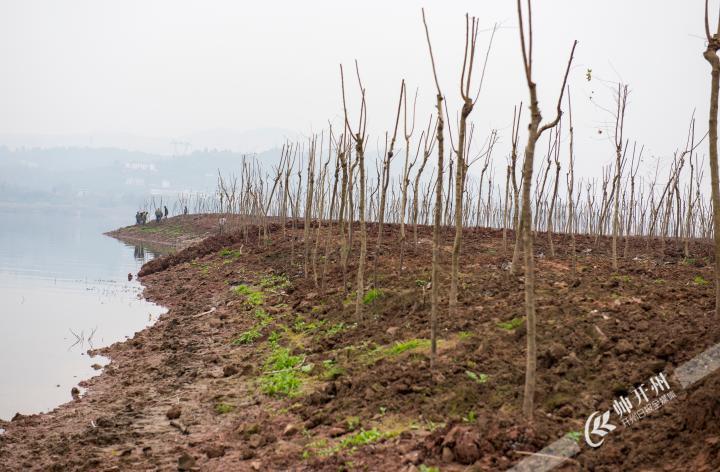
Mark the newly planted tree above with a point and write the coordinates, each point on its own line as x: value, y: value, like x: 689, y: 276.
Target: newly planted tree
x: 435, y: 289
x: 359, y: 138
x: 711, y: 55
x: 471, y: 32
x: 535, y: 130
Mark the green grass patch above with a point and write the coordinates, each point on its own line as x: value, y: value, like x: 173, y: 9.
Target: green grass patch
x: 323, y: 448
x: 512, y: 324
x: 248, y: 337
x: 227, y: 253
x: 262, y: 316
x: 425, y: 468
x: 622, y: 278
x: 361, y: 438
x: 371, y: 295
x: 331, y: 370
x: 284, y: 382
x: 464, y: 335
x: 368, y: 298
x: 252, y: 296
x: 700, y: 280
x: 281, y: 377
x: 223, y: 408
x: 274, y: 339
x: 275, y: 282
x: 338, y: 328
x: 303, y: 326
x: 477, y: 378
x: 353, y: 422
x: 403, y: 346
x: 574, y: 435
x: 281, y: 358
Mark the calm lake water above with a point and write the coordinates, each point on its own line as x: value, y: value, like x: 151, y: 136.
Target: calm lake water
x: 63, y: 290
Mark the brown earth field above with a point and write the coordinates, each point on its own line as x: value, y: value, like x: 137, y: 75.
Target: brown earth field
x: 254, y: 367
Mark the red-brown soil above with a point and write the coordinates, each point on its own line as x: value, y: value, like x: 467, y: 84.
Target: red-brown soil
x: 181, y: 395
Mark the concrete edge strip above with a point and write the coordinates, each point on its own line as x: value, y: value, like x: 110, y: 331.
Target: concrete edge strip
x: 548, y: 457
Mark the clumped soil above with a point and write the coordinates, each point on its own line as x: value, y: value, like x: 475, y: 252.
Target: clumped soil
x: 192, y: 391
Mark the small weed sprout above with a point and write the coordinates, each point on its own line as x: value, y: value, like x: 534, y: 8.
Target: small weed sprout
x: 281, y: 377
x: 227, y: 253
x: 477, y: 378
x: 332, y: 370
x: 338, y: 328
x: 400, y: 347
x: 371, y: 295
x: 263, y: 317
x: 700, y: 280
x: 353, y: 422
x: 574, y: 435
x: 252, y: 296
x: 284, y: 382
x: 361, y: 438
x: 248, y: 337
x: 223, y: 408
x: 273, y: 339
x: 425, y: 468
x: 275, y: 282
x: 512, y: 324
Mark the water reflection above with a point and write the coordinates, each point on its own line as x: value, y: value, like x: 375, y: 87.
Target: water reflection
x: 144, y: 252
x: 140, y: 254
x: 64, y: 289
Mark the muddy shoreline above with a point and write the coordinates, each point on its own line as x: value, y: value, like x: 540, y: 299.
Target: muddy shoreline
x: 191, y: 391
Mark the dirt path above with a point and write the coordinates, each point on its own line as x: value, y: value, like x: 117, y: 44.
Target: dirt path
x: 256, y: 368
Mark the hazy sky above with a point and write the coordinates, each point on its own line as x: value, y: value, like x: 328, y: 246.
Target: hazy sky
x: 170, y: 68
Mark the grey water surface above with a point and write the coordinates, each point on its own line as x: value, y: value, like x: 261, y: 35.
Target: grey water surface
x: 64, y: 289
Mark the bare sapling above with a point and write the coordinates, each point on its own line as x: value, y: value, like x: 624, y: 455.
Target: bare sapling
x: 320, y: 215
x: 634, y: 166
x: 437, y: 219
x: 535, y: 130
x: 407, y: 167
x: 471, y: 33
x: 571, y: 187
x: 505, y: 221
x: 359, y: 138
x: 515, y: 265
x: 621, y: 99
x: 385, y: 180
x: 551, y: 209
x: 342, y: 155
x: 428, y: 145
x: 308, y: 202
x: 711, y: 55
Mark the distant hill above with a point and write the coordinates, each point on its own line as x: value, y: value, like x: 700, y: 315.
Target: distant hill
x: 251, y: 140
x: 110, y: 176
